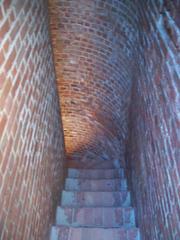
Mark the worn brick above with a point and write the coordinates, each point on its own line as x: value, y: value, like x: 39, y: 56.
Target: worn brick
x: 92, y: 75
x: 3, y: 122
x: 153, y: 144
x: 4, y: 29
x: 27, y: 79
x: 117, y: 72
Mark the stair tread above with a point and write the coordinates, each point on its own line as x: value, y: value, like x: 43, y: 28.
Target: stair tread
x: 73, y: 233
x: 114, y: 207
x: 95, y: 169
x: 96, y: 174
x: 97, y: 179
x: 86, y: 198
x: 95, y: 184
x: 121, y: 191
x: 100, y: 228
x: 97, y: 216
x: 95, y: 205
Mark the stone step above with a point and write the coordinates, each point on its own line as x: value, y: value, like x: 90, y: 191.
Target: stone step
x: 95, y: 199
x: 92, y: 164
x: 95, y: 174
x: 70, y: 233
x: 95, y: 217
x: 118, y: 184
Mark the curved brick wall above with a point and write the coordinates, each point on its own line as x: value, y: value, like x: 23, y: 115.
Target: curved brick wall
x: 153, y: 146
x: 93, y: 45
x: 31, y: 136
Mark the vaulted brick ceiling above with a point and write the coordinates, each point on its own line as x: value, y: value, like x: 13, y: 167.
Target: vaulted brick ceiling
x: 93, y: 45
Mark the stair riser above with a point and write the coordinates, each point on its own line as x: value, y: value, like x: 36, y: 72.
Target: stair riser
x: 96, y: 174
x: 96, y: 199
x: 93, y: 217
x: 95, y: 185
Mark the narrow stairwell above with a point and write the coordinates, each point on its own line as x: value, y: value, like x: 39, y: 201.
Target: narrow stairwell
x: 95, y: 205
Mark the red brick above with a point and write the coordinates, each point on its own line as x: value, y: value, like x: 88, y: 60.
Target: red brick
x: 2, y: 79
x: 10, y: 60
x: 3, y: 122
x: 6, y: 46
x: 6, y: 4
x: 5, y: 92
x: 4, y: 29
x: 1, y: 13
x: 97, y: 60
x: 25, y: 80
x: 153, y: 136
x: 108, y: 55
x: 1, y: 57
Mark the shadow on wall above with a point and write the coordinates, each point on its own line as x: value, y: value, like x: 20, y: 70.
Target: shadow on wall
x: 93, y: 43
x: 95, y: 129
x: 153, y: 145
x: 90, y: 161
x: 97, y: 148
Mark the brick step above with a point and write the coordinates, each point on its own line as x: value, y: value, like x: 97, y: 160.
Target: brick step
x: 70, y: 233
x: 95, y: 174
x: 118, y: 184
x: 95, y: 217
x: 95, y: 199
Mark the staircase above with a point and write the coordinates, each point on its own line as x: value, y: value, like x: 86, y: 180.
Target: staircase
x: 95, y: 205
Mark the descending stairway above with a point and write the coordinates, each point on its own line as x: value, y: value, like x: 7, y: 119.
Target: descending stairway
x: 95, y: 205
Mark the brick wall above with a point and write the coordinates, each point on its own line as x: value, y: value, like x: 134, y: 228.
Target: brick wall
x: 31, y: 139
x: 93, y: 48
x: 153, y: 146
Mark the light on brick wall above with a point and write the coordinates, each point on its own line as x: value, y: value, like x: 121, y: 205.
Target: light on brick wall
x: 93, y: 46
x: 75, y: 124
